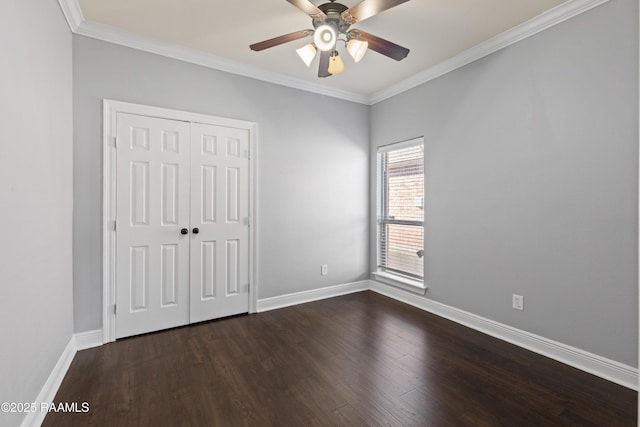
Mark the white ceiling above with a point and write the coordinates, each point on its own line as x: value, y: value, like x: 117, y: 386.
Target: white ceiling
x: 434, y: 31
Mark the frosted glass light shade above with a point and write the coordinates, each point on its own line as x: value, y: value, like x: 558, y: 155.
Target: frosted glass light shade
x: 307, y: 53
x: 325, y: 38
x: 336, y: 65
x: 357, y: 49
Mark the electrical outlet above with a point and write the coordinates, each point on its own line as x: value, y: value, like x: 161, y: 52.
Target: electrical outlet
x: 324, y: 269
x: 518, y: 302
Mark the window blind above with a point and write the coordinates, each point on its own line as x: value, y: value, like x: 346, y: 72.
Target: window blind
x: 401, y: 209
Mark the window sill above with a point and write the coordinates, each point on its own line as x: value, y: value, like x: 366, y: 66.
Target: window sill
x: 405, y: 283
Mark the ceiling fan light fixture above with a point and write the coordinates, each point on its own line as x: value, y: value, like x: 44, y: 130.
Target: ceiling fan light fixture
x: 331, y: 22
x: 336, y: 66
x: 357, y: 49
x: 307, y: 53
x: 325, y: 37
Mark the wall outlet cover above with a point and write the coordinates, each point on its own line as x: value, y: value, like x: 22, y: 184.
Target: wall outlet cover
x: 324, y: 269
x: 518, y: 302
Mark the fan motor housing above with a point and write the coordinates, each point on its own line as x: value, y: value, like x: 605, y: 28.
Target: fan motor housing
x: 333, y: 18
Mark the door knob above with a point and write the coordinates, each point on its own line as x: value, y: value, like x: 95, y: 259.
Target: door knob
x: 196, y: 230
x: 184, y: 231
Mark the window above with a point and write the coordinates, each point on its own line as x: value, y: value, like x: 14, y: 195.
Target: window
x: 401, y: 212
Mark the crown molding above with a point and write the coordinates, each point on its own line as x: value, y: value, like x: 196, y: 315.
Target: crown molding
x: 547, y: 19
x: 114, y: 35
x: 520, y: 32
x: 72, y: 13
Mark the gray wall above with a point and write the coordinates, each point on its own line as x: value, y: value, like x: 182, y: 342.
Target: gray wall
x: 312, y: 167
x: 35, y: 189
x: 531, y: 159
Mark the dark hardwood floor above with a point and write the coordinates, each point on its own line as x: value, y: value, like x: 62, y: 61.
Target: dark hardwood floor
x: 360, y: 359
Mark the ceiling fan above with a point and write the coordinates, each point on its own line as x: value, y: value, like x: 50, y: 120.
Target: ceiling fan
x: 331, y: 21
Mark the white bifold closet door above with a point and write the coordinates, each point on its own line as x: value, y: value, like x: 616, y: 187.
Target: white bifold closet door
x: 182, y: 238
x: 220, y: 212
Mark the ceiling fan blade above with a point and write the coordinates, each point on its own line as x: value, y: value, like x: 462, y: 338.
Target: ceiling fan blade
x: 381, y: 46
x: 323, y: 68
x: 368, y: 8
x: 307, y: 7
x: 266, y: 44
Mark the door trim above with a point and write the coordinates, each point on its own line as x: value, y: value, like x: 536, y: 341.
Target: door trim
x: 110, y: 109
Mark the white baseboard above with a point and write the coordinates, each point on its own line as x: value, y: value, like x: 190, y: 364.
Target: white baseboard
x: 79, y: 341
x: 287, y: 300
x: 88, y: 339
x: 602, y: 367
x: 50, y: 387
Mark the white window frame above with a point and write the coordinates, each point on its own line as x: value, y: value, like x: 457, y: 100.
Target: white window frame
x: 404, y: 282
